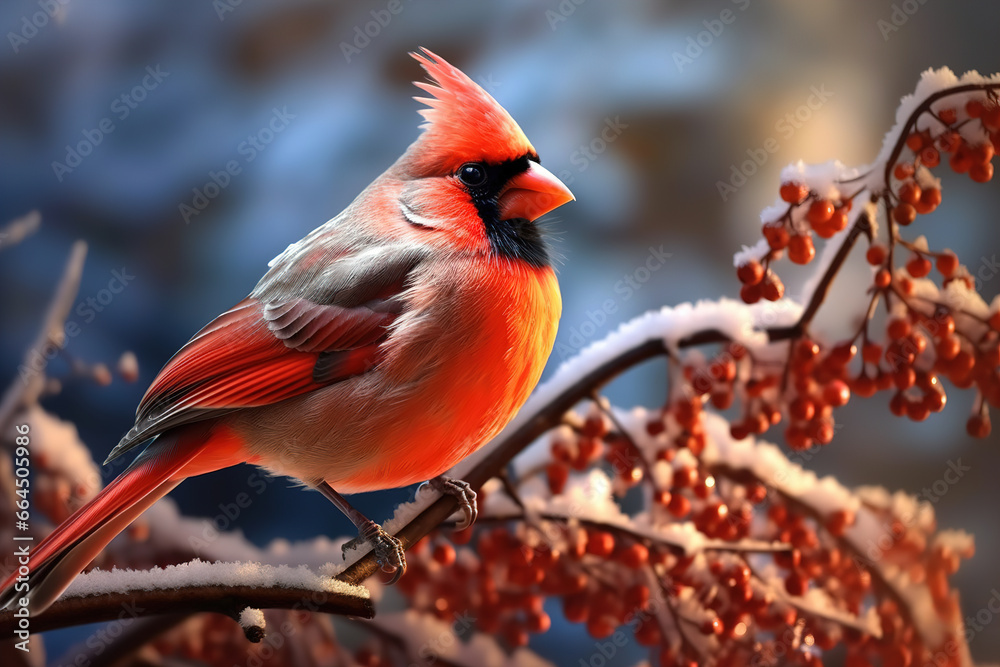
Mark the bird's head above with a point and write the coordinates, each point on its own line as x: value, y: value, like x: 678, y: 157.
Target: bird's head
x: 472, y: 180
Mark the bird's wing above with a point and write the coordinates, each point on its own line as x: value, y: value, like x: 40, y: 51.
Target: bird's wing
x: 317, y: 318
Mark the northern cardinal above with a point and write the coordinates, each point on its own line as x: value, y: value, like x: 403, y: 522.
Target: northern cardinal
x: 376, y: 352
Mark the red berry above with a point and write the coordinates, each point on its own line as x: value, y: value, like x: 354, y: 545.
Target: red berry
x: 960, y: 161
x: 917, y: 411
x: 776, y: 234
x: 948, y: 347
x: 947, y: 263
x: 819, y: 211
x: 600, y: 543
x: 903, y: 171
x: 821, y: 430
x: 772, y: 288
x: 796, y: 584
x: 898, y: 328
x: 909, y: 192
x: 837, y: 393
x: 750, y: 273
x: 539, y: 622
x: 444, y: 553
x: 751, y: 293
x: 935, y: 400
x: 930, y: 198
x: 601, y: 627
x: 883, y: 278
x: 949, y: 142
x: 904, y: 213
x: 981, y: 153
x: 793, y: 193
x: 679, y: 505
x: 981, y: 173
x: 918, y: 266
x: 930, y: 157
x: 843, y: 353
x: 836, y: 223
x: 712, y: 626
x: 801, y: 250
x: 871, y: 352
x: 797, y: 438
x: 802, y: 408
x: 558, y: 474
x: 634, y: 556
x: 876, y: 254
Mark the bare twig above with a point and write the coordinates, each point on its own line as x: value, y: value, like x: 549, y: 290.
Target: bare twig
x: 28, y: 385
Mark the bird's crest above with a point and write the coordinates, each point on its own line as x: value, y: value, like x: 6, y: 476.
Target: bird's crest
x: 464, y: 122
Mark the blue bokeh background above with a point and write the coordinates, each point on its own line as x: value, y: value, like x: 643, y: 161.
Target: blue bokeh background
x: 564, y: 70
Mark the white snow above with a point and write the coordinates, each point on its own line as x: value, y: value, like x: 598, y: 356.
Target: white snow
x: 200, y: 573
x: 252, y: 618
x: 931, y: 81
x: 756, y: 251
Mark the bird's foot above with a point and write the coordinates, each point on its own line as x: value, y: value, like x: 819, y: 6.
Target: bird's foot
x: 388, y: 549
x: 463, y: 493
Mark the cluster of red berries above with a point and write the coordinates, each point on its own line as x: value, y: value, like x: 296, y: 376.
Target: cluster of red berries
x: 925, y: 340
x: 611, y: 578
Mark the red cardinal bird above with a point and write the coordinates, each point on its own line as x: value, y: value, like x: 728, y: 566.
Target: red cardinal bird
x: 376, y: 352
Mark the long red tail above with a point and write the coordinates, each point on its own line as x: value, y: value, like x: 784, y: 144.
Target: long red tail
x: 56, y: 561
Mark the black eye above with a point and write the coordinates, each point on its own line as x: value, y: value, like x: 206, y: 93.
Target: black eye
x: 472, y: 174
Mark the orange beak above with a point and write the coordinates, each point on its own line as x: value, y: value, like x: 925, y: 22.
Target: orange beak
x: 533, y: 193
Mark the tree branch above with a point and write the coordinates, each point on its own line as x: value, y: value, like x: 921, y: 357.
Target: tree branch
x: 227, y: 600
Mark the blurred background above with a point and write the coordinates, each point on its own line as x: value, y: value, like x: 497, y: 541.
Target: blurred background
x: 141, y: 102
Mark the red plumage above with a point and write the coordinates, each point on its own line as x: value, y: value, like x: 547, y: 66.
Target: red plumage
x: 378, y: 351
